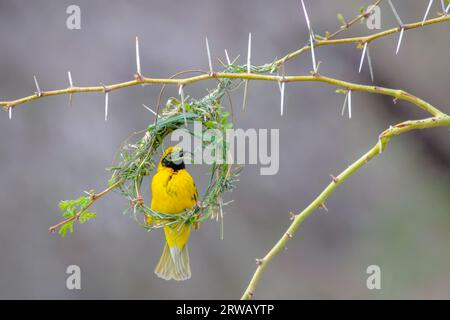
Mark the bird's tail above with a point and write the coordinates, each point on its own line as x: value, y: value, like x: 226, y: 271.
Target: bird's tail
x: 174, y: 264
x: 174, y: 261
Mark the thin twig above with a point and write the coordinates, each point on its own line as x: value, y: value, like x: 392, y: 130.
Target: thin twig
x: 438, y: 119
x: 397, y: 94
x: 94, y: 197
x: 142, y: 80
x: 298, y: 219
x: 360, y: 17
x: 362, y: 39
x: 135, y: 82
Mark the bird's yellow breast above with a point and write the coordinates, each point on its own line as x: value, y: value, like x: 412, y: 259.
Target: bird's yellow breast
x: 173, y: 191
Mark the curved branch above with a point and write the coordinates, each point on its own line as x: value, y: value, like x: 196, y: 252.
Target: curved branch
x: 360, y: 17
x: 336, y: 181
x: 397, y: 94
x: 438, y: 119
x: 139, y: 79
x: 363, y: 39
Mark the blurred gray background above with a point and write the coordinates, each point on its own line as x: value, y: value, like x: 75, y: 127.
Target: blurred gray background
x: 394, y: 213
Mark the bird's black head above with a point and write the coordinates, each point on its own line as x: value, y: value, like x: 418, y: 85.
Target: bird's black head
x: 173, y: 158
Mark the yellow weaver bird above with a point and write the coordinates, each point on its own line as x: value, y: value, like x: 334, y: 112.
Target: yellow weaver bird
x: 173, y: 191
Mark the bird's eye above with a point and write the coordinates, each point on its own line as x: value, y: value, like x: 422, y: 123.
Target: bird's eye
x: 177, y: 157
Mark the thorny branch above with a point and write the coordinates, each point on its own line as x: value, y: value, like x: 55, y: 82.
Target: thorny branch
x: 363, y: 39
x: 438, y: 119
x: 139, y: 79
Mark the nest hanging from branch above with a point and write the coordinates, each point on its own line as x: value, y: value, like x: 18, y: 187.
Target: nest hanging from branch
x: 137, y: 160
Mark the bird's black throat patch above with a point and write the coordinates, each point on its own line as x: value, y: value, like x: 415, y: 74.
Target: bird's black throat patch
x: 177, y: 165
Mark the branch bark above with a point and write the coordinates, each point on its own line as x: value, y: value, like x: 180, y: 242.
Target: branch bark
x: 94, y: 197
x: 438, y: 119
x: 398, y: 129
x: 139, y: 79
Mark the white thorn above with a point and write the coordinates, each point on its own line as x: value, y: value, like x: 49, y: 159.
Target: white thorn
x: 447, y: 9
x: 138, y: 59
x: 37, y: 85
x: 71, y: 86
x: 311, y: 36
x: 106, y: 105
x: 344, y: 105
x: 362, y: 57
x: 151, y: 110
x: 10, y: 113
x: 443, y: 5
x: 227, y: 57
x: 244, y: 103
x: 209, y: 56
x: 70, y: 78
x: 313, y: 55
x: 306, y: 17
x: 428, y: 10
x: 282, y: 98
x: 400, y: 40
x: 249, y: 52
x: 181, y: 93
x: 395, y: 13
x: 369, y: 60
x: 349, y: 104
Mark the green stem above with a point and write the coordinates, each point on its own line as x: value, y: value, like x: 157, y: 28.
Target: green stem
x: 336, y: 181
x: 362, y: 39
x: 144, y: 80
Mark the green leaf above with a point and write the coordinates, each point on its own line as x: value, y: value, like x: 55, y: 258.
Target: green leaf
x: 211, y: 124
x: 66, y: 227
x: 341, y: 19
x: 319, y: 37
x: 63, y: 205
x: 86, y: 216
x: 228, y: 125
x: 70, y: 208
